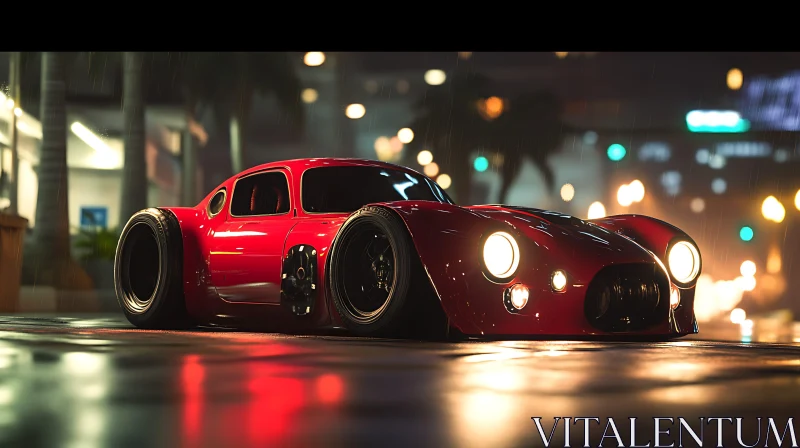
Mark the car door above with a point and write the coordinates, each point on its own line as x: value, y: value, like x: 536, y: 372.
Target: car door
x: 247, y: 249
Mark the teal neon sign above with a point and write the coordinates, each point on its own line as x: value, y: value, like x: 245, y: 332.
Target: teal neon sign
x: 716, y: 121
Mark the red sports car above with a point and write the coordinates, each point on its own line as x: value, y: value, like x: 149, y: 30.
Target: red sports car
x: 380, y: 249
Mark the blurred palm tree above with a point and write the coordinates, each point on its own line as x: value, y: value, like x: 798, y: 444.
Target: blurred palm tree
x: 530, y: 127
x: 227, y: 82
x: 51, y: 241
x: 134, y: 170
x: 449, y: 124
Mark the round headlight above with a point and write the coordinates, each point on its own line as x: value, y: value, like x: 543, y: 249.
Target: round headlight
x: 501, y: 255
x: 684, y: 261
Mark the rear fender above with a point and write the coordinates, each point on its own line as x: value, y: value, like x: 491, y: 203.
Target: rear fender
x: 195, y: 260
x: 447, y: 239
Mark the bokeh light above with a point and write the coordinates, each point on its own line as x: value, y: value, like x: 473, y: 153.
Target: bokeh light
x: 355, y: 111
x: 444, y: 181
x: 797, y: 200
x: 314, y: 58
x: 435, y: 77
x: 697, y: 205
x: 746, y: 233
x: 481, y: 164
x: 616, y: 152
x: 424, y: 157
x: 701, y: 156
x: 745, y: 283
x: 717, y: 161
x: 396, y: 144
x: 636, y: 190
x: 491, y: 108
x: 406, y: 135
x: 735, y: 79
x: 624, y: 195
x: 597, y: 210
x: 738, y: 316
x: 383, y: 149
x: 773, y: 210
x: 719, y: 186
x: 309, y: 95
x: 567, y: 192
x: 774, y: 261
x: 431, y: 169
x: 748, y: 268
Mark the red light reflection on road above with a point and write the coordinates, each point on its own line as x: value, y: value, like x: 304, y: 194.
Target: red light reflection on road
x: 330, y: 388
x: 273, y: 401
x: 261, y: 401
x: 192, y: 375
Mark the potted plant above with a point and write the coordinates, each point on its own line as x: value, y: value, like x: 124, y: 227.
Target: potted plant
x: 96, y: 247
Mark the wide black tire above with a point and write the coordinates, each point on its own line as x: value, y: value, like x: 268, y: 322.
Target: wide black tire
x: 410, y: 308
x: 148, y: 271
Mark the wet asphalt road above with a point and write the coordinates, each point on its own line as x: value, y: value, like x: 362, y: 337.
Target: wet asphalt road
x: 95, y: 381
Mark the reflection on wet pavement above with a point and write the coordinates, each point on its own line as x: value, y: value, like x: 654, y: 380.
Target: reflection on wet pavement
x: 97, y: 382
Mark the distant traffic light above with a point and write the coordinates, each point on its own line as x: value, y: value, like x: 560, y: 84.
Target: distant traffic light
x: 481, y: 164
x: 616, y: 152
x: 746, y: 233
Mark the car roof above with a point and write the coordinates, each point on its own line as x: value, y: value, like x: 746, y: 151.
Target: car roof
x: 298, y: 166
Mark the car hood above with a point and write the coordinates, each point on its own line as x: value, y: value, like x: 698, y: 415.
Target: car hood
x: 568, y: 238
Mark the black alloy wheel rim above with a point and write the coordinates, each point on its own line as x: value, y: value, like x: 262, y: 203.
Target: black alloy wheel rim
x: 369, y: 272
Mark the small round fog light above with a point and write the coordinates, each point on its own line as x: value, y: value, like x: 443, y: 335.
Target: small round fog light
x: 559, y: 281
x: 516, y: 297
x: 674, y: 296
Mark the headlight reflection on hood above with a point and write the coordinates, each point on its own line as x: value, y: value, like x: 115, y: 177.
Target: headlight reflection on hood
x: 684, y: 261
x: 501, y: 255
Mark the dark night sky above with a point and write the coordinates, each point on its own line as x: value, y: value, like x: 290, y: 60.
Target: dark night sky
x: 691, y: 76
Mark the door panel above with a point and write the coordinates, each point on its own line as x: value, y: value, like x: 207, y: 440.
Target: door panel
x: 246, y: 259
x: 247, y: 249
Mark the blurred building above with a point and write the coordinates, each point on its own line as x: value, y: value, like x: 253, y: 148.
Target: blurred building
x: 95, y: 153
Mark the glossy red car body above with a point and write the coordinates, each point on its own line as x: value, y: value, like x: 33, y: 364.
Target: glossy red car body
x: 232, y: 266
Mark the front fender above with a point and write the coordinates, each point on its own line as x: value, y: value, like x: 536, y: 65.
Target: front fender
x: 651, y: 233
x: 446, y: 238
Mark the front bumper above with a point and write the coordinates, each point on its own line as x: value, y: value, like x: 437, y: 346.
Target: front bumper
x: 548, y: 312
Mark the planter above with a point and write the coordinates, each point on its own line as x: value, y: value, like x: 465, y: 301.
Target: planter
x: 12, y: 235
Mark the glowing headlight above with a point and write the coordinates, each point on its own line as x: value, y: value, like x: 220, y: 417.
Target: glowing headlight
x: 684, y: 261
x: 501, y: 255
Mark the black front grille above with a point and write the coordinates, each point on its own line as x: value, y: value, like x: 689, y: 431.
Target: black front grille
x: 627, y: 297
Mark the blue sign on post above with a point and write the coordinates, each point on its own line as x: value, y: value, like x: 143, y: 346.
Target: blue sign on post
x: 94, y: 217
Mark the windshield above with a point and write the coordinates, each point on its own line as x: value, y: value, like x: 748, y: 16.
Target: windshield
x: 344, y: 189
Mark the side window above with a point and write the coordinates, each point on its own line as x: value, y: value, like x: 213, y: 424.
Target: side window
x: 216, y: 203
x: 261, y: 194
